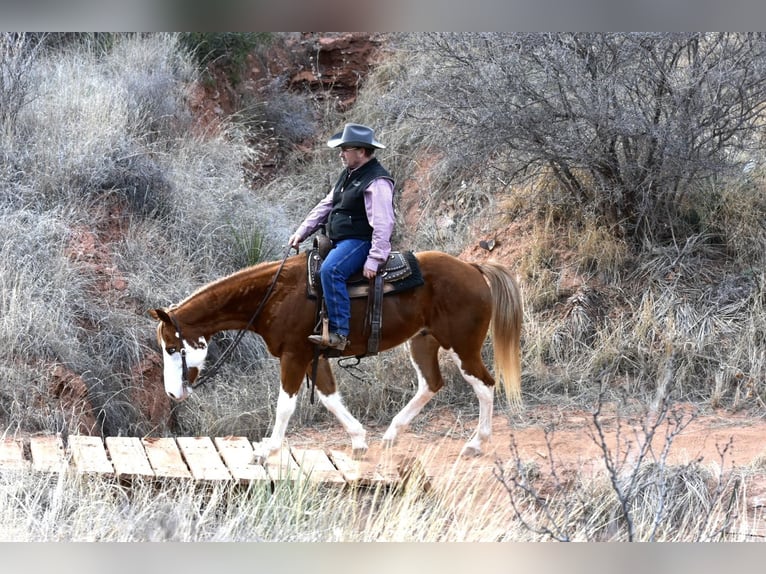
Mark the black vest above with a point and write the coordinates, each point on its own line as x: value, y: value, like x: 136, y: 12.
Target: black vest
x: 348, y: 217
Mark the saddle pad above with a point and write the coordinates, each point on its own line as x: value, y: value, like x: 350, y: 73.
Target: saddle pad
x: 400, y: 273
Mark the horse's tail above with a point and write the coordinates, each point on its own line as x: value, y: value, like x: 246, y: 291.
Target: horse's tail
x: 507, y: 313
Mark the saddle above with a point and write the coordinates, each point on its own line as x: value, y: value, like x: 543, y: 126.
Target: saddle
x: 400, y: 273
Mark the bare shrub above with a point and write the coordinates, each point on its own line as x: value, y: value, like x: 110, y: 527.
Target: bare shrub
x: 628, y: 124
x: 644, y: 496
x: 18, y: 53
x: 290, y: 117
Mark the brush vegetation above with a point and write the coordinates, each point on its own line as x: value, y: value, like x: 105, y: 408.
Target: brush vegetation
x: 641, y: 262
x: 517, y: 501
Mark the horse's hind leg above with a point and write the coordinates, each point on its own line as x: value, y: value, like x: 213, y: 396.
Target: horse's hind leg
x: 331, y: 399
x: 424, y: 354
x: 475, y: 373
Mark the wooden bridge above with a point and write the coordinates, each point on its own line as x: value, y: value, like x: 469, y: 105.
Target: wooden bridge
x: 227, y: 458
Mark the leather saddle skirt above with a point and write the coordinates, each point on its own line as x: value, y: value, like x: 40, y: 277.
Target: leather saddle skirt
x: 401, y: 272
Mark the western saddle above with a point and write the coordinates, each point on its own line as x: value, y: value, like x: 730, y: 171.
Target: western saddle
x: 401, y: 272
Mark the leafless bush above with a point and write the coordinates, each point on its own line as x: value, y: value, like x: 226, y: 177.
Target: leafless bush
x: 627, y: 124
x: 290, y: 116
x: 646, y: 497
x: 18, y: 53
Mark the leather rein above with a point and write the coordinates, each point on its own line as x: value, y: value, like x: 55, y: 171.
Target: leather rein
x: 211, y: 372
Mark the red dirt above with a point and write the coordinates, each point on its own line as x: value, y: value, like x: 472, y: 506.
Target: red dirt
x: 570, y: 441
x: 570, y: 449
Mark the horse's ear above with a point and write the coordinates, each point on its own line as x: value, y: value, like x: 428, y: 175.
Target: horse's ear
x: 160, y: 315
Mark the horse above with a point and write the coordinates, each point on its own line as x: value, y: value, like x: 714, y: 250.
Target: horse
x: 453, y: 310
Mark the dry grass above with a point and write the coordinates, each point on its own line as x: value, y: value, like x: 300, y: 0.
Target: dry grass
x: 674, y: 503
x: 109, y: 126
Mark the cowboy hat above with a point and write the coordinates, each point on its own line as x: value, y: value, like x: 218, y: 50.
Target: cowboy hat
x: 355, y: 135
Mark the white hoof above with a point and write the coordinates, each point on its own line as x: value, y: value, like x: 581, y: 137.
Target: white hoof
x: 357, y: 453
x: 470, y: 450
x: 359, y: 443
x: 389, y: 437
x: 262, y: 451
x: 258, y: 459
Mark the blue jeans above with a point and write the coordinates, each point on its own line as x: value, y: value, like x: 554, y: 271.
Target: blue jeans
x: 345, y: 259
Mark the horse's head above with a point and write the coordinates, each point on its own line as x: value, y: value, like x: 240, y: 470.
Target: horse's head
x: 182, y: 358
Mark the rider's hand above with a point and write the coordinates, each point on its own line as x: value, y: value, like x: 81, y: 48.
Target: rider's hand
x: 294, y: 241
x: 369, y: 273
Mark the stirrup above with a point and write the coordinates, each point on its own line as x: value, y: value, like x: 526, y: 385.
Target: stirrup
x: 334, y: 340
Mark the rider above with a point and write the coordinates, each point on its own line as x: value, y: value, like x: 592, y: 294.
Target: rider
x: 359, y: 214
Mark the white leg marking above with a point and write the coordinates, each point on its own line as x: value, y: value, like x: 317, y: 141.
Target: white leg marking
x: 334, y: 404
x: 285, y: 409
x: 411, y: 409
x: 486, y: 396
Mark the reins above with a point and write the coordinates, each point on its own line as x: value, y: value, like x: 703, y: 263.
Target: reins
x: 211, y: 372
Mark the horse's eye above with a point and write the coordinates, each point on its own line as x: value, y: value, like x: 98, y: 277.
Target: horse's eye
x: 170, y: 350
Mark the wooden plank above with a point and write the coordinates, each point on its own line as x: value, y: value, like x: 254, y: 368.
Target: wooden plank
x: 12, y: 454
x: 414, y: 474
x: 164, y: 457
x: 387, y: 466
x: 128, y: 456
x: 48, y: 453
x: 316, y: 465
x: 202, y: 458
x: 89, y: 455
x: 281, y: 466
x: 237, y: 454
x: 355, y: 472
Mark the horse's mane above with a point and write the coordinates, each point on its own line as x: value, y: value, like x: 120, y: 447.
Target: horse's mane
x: 246, y: 275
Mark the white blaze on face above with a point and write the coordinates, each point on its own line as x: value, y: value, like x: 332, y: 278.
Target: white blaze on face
x: 173, y: 368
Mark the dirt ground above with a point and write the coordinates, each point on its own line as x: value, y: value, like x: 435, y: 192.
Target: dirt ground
x: 570, y: 442
x: 719, y: 442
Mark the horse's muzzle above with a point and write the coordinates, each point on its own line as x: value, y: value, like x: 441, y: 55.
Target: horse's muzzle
x: 180, y: 394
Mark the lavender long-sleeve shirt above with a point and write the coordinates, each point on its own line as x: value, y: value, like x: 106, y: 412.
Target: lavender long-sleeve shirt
x: 378, y: 202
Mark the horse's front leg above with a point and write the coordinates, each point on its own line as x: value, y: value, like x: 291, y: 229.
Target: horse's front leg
x: 271, y: 444
x: 288, y: 396
x: 331, y: 399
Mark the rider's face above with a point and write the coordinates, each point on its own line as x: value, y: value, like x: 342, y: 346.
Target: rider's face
x: 352, y: 157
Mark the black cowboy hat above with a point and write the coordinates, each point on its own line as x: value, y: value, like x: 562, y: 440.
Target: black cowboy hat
x: 355, y: 135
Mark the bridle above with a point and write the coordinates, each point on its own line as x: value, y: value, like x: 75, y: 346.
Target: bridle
x: 211, y: 372
x: 182, y: 351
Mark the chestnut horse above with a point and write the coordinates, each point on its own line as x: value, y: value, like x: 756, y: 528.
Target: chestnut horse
x: 453, y: 310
